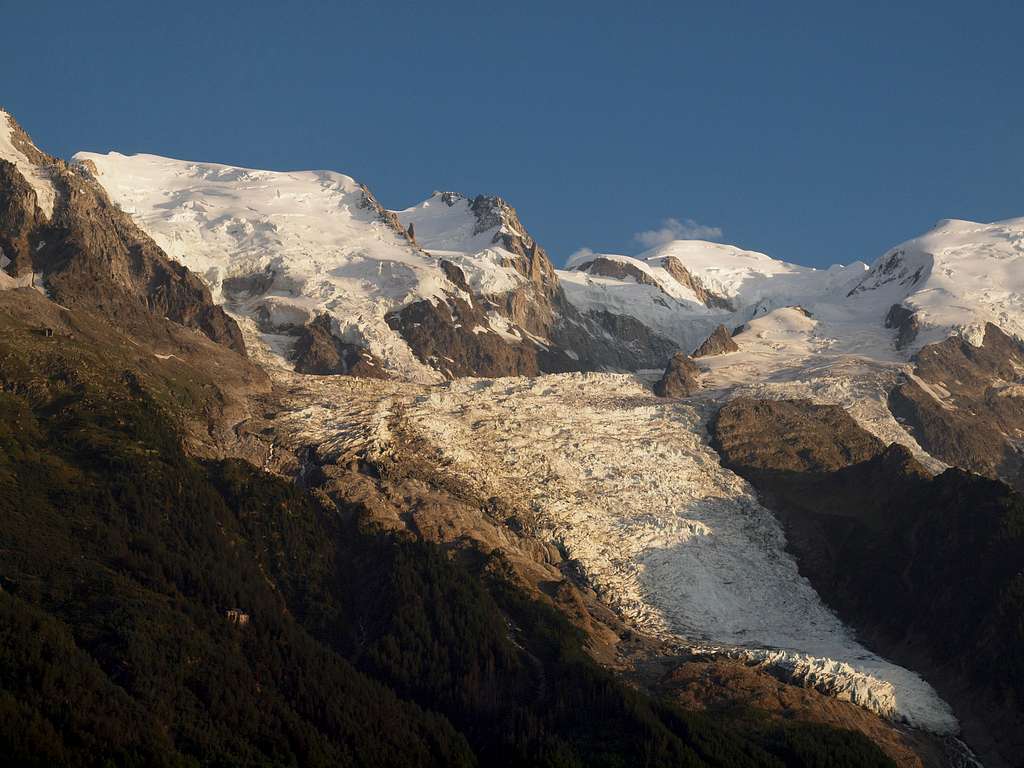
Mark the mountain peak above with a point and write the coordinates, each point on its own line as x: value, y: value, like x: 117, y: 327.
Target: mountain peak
x: 34, y: 165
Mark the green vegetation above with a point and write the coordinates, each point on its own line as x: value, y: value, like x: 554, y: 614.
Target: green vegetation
x: 121, y: 557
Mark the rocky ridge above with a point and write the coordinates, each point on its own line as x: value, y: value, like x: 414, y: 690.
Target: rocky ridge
x: 679, y: 378
x: 965, y: 403
x: 318, y: 350
x: 85, y: 252
x: 718, y: 343
x: 685, y: 278
x: 468, y: 232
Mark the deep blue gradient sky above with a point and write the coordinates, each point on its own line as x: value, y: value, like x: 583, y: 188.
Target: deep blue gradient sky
x: 817, y: 132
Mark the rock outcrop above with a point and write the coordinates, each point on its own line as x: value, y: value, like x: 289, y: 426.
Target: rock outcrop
x: 319, y: 351
x: 905, y: 323
x: 718, y: 343
x: 456, y: 339
x: 679, y: 379
x: 592, y: 341
x: 895, y: 269
x: 965, y: 404
x: 618, y: 269
x: 528, y: 329
x: 533, y: 306
x: 791, y: 436
x: 608, y: 341
x: 684, y: 277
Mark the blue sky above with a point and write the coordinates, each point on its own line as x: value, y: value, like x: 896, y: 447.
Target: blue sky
x: 816, y: 132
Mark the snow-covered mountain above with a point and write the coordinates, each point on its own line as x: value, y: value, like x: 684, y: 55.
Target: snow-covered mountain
x: 954, y: 279
x: 686, y: 287
x: 950, y: 281
x: 16, y: 147
x: 626, y: 485
x: 451, y: 287
x: 282, y: 248
x: 60, y: 234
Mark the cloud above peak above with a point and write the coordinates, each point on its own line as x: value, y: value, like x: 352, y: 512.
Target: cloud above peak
x: 579, y: 256
x: 675, y: 229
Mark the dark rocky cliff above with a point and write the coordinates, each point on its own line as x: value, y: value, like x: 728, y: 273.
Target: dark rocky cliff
x: 966, y: 404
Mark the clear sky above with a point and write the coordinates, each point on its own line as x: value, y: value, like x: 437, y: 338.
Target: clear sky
x: 818, y: 132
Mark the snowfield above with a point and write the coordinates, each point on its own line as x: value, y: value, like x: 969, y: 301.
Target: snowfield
x: 681, y: 319
x: 749, y: 277
x: 956, y: 277
x: 325, y: 248
x: 754, y: 283
x: 445, y: 226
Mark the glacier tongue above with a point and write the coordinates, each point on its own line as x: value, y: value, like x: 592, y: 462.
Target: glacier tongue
x: 629, y: 487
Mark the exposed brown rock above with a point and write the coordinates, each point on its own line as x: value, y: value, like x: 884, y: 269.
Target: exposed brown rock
x: 791, y: 436
x: 456, y: 339
x: 619, y: 342
x: 620, y: 270
x: 905, y: 322
x: 20, y: 220
x: 535, y: 305
x: 892, y: 269
x: 972, y: 413
x: 454, y: 274
x: 241, y: 287
x: 718, y: 343
x: 555, y: 337
x: 319, y: 351
x: 684, y: 277
x: 679, y: 379
x: 386, y: 217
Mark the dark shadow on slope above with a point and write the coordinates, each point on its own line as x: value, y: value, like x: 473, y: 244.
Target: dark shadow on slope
x: 929, y: 571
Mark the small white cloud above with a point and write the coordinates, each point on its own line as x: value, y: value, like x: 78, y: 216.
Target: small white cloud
x: 674, y: 229
x: 578, y: 257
